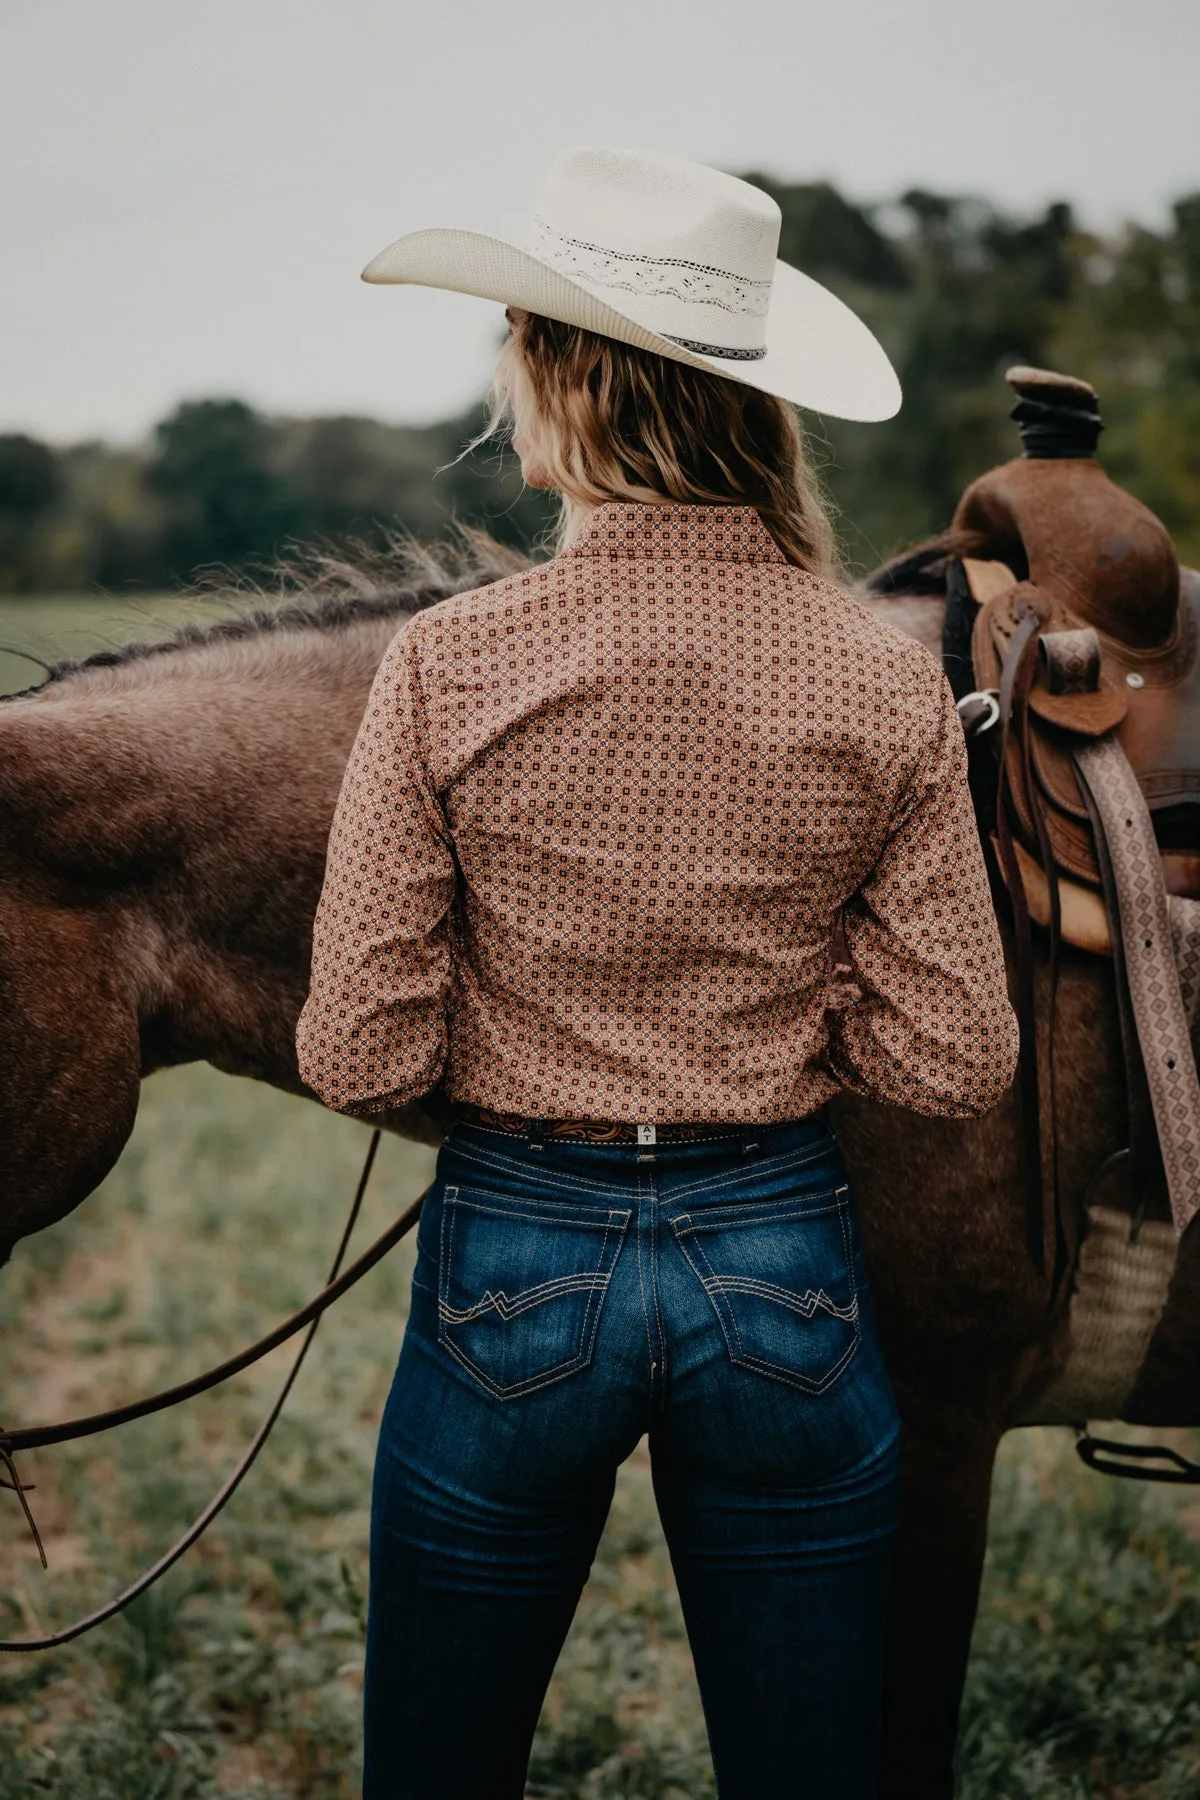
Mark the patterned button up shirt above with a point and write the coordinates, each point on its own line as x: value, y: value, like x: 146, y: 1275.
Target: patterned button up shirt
x: 601, y: 822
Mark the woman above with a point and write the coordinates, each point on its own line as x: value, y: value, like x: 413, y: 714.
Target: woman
x: 597, y: 832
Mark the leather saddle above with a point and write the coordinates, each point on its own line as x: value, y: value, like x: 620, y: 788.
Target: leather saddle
x: 1054, y: 541
x: 1067, y: 610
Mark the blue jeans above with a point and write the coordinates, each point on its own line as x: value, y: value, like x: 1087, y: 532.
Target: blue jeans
x: 566, y: 1300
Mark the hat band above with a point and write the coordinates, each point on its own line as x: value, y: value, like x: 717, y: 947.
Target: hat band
x: 715, y: 349
x: 671, y: 285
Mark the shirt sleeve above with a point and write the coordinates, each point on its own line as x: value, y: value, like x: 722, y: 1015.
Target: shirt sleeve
x: 931, y: 1027
x: 373, y: 1033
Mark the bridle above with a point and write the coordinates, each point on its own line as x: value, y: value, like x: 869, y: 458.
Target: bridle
x: 31, y: 1437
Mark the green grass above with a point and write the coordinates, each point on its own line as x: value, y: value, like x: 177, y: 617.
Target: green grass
x: 1085, y: 1671
x: 60, y: 625
x: 241, y: 1674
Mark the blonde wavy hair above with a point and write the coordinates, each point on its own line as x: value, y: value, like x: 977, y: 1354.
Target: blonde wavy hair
x: 607, y: 421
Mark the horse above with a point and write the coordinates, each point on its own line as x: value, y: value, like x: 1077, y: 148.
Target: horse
x: 164, y: 811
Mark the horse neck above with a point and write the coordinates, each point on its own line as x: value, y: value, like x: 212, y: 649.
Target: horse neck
x: 920, y: 616
x: 176, y: 807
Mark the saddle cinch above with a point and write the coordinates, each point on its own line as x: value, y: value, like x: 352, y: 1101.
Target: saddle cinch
x: 1085, y: 660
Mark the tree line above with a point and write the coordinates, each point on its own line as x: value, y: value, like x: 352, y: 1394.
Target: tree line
x: 956, y: 289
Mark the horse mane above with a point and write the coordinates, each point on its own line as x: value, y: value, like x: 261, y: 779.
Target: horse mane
x: 313, y: 591
x: 921, y: 569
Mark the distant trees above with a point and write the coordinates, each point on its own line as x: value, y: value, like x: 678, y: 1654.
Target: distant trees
x: 831, y: 238
x: 31, y: 480
x: 956, y: 289
x: 958, y: 292
x: 223, y: 500
x: 980, y: 292
x: 221, y: 487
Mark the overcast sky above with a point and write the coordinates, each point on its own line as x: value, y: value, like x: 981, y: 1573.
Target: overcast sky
x: 190, y: 190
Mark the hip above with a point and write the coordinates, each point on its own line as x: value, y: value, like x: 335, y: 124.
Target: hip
x: 719, y: 1283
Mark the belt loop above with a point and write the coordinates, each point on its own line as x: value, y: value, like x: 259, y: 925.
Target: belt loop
x: 750, y: 1140
x: 537, y: 1133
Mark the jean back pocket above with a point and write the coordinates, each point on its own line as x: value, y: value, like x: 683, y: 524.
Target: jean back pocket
x: 780, y: 1276
x: 521, y: 1284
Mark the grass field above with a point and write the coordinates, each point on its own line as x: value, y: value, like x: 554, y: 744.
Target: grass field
x: 54, y: 626
x: 59, y: 625
x: 240, y: 1676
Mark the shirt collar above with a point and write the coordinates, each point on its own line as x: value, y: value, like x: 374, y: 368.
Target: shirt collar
x: 677, y: 533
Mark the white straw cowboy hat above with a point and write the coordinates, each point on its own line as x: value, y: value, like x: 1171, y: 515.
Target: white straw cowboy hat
x: 674, y: 257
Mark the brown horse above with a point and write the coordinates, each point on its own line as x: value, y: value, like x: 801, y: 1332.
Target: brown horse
x: 163, y: 820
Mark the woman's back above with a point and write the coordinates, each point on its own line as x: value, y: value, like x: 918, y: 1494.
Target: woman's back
x: 662, y: 765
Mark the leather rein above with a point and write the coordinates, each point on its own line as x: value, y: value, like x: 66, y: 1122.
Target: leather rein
x: 31, y: 1437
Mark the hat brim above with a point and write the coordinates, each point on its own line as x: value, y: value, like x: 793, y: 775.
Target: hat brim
x: 819, y: 354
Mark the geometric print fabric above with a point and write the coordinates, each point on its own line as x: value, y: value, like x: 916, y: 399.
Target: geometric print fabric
x: 601, y: 822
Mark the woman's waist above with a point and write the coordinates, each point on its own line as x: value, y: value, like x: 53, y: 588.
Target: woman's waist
x: 593, y: 1131
x: 610, y: 1148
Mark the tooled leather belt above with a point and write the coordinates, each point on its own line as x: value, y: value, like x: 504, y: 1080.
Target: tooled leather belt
x: 588, y: 1131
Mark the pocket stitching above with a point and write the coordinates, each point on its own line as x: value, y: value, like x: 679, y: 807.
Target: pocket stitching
x: 788, y: 1297
x: 743, y: 1358
x: 760, y: 1212
x: 790, y: 1376
x: 544, y: 1379
x: 718, y: 1309
x: 586, y: 1357
x: 509, y: 1165
x: 570, y: 1365
x: 524, y: 1301
x: 565, y: 1217
x: 789, y: 1159
x: 845, y: 1216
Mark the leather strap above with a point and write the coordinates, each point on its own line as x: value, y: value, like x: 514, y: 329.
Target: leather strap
x: 1016, y: 678
x: 309, y: 1315
x: 588, y: 1131
x: 1141, y: 1157
x: 1021, y: 702
x: 1137, y: 1462
x: 1072, y: 661
x: 1150, y: 967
